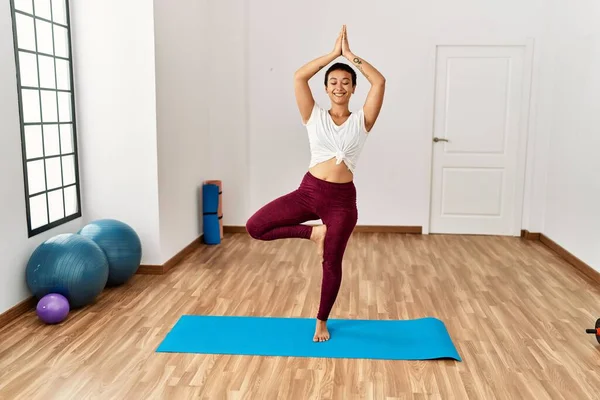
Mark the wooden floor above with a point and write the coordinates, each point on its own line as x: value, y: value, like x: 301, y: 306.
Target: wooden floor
x: 516, y: 312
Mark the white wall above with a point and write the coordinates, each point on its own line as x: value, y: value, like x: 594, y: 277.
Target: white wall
x: 15, y: 246
x: 143, y: 94
x: 183, y: 82
x: 116, y: 113
x: 398, y: 38
x: 570, y: 118
x: 228, y: 106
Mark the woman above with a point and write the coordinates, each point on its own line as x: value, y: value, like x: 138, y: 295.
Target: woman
x: 327, y: 191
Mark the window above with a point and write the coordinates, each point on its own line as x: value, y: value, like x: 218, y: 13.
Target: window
x: 42, y: 41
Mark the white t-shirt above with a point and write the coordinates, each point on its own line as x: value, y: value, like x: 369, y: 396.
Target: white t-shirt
x: 328, y: 140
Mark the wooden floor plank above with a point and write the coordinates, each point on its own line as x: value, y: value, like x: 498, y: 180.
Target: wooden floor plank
x: 515, y: 310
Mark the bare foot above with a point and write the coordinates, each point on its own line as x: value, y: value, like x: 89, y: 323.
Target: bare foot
x: 318, y: 236
x: 321, y: 332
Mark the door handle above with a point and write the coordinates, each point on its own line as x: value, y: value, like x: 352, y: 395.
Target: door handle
x: 436, y: 139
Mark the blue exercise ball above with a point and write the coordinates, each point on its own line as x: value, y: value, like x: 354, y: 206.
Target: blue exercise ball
x: 70, y: 265
x: 121, y: 245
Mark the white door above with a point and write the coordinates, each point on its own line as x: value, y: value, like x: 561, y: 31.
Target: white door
x: 478, y: 151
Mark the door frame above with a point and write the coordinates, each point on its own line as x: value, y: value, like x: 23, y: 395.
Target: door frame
x: 524, y: 124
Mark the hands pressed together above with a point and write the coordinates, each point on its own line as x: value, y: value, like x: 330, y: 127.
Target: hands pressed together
x: 341, y: 44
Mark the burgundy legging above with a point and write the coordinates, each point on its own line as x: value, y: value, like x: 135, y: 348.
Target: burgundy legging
x: 332, y: 203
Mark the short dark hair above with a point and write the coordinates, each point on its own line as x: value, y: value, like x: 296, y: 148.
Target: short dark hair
x: 341, y: 67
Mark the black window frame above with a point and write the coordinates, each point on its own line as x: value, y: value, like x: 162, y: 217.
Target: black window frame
x: 49, y: 225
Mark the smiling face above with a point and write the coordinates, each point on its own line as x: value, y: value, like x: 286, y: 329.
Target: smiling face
x: 339, y: 86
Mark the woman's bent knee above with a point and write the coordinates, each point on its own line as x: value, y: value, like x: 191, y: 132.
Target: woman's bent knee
x: 252, y: 228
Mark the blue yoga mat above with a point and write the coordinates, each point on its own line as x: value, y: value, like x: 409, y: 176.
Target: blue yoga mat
x: 417, y: 339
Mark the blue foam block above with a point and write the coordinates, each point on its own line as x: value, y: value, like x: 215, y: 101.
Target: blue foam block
x: 418, y: 339
x: 210, y: 218
x: 212, y: 232
x: 210, y: 198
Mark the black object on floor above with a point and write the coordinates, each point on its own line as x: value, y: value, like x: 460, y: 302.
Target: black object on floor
x: 595, y: 331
